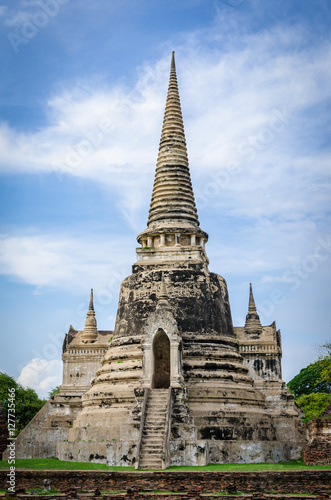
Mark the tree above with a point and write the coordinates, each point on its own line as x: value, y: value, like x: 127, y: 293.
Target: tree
x: 309, y: 380
x: 325, y: 361
x: 54, y: 391
x: 27, y: 402
x: 313, y: 404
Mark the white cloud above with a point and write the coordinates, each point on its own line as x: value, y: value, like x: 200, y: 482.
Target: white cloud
x: 255, y: 105
x: 41, y: 375
x: 60, y: 261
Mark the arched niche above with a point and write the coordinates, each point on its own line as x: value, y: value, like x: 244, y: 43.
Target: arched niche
x: 161, y: 360
x: 161, y: 320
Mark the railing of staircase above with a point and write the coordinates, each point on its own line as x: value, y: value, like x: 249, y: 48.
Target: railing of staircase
x: 166, y: 442
x: 142, y: 423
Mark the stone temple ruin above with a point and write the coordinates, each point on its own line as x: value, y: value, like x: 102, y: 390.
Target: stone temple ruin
x: 175, y: 383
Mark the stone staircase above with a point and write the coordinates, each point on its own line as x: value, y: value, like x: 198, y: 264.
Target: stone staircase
x: 154, y: 430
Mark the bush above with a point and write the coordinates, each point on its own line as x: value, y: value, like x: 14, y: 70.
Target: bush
x: 313, y: 404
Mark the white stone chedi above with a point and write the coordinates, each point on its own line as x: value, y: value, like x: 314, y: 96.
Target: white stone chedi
x: 177, y: 384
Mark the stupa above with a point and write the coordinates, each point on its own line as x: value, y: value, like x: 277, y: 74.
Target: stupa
x: 178, y: 384
x: 173, y: 387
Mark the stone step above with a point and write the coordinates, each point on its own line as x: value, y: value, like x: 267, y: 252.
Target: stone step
x: 153, y: 464
x: 152, y: 426
x: 162, y: 397
x: 151, y: 450
x: 153, y: 440
x: 153, y: 423
x: 154, y: 445
x: 151, y: 419
x: 156, y: 414
x: 154, y: 430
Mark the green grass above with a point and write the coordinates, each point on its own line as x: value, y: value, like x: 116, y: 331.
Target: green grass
x: 291, y: 465
x: 55, y: 464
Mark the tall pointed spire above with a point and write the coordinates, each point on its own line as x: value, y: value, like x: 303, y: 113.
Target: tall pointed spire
x: 90, y: 332
x: 173, y: 219
x: 172, y: 196
x: 253, y: 323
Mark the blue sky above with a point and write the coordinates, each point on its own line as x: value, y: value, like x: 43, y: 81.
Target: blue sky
x: 82, y: 95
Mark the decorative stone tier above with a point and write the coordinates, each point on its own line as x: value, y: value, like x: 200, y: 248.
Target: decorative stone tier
x: 171, y: 243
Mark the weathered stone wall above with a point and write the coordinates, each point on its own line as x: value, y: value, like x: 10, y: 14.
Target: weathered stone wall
x: 261, y: 352
x: 318, y: 450
x: 51, y: 425
x: 38, y: 439
x: 305, y: 481
x: 82, y: 359
x: 199, y: 300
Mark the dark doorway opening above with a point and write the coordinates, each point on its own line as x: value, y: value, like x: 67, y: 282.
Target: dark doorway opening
x: 161, y: 358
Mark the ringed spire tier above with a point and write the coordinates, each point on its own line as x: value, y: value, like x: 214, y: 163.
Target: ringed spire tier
x: 172, y: 196
x: 90, y: 332
x: 252, y: 323
x: 173, y: 218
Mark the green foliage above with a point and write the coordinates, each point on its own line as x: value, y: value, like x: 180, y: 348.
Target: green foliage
x: 27, y: 402
x: 325, y: 362
x: 316, y: 377
x: 54, y: 391
x: 313, y: 404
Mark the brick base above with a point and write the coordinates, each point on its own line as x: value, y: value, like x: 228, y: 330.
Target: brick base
x: 306, y: 481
